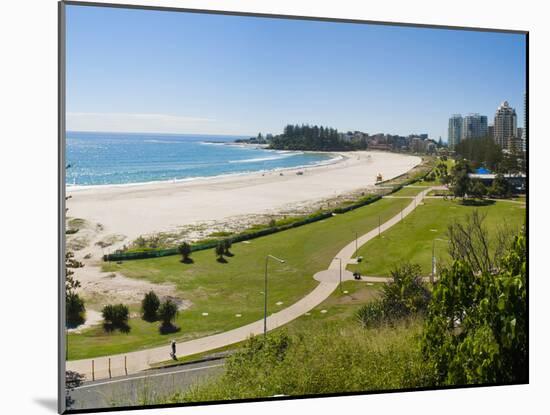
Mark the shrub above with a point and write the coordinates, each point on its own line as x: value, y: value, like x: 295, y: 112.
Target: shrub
x: 226, y: 247
x: 500, y: 187
x: 75, y: 310
x: 477, y: 189
x: 149, y: 306
x: 220, y: 251
x: 406, y: 294
x: 115, y: 316
x: 371, y: 314
x: 185, y: 250
x: 167, y: 313
x: 476, y: 327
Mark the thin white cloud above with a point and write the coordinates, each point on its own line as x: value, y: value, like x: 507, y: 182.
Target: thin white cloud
x: 143, y: 123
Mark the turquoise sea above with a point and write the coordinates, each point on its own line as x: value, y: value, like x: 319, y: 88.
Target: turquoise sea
x: 97, y: 158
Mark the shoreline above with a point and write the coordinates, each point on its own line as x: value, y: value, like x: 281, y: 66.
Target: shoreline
x: 337, y: 157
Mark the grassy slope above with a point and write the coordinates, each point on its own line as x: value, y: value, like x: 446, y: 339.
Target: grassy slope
x: 409, y: 191
x: 411, y: 240
x: 223, y: 290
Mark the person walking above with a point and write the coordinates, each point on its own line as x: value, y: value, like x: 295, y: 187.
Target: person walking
x: 173, y: 353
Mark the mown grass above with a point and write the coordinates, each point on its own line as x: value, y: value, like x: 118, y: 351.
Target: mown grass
x: 409, y: 191
x: 225, y: 289
x: 411, y: 240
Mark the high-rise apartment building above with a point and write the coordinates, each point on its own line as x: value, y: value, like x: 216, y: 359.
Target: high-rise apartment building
x: 505, y: 127
x: 474, y: 126
x: 455, y: 130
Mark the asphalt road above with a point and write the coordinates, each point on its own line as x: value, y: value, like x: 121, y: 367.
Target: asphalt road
x: 142, y: 388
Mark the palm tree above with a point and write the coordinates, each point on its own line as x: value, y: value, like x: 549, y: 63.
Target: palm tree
x: 226, y: 247
x: 220, y: 251
x: 185, y: 250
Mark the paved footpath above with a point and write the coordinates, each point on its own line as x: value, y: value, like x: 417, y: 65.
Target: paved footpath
x: 133, y: 362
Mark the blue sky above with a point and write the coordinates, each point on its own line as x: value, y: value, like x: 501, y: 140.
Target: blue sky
x: 157, y: 71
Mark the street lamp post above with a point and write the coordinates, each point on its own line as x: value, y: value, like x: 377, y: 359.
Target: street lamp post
x: 340, y: 259
x: 265, y: 288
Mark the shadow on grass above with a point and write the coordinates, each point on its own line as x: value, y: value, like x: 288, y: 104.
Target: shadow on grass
x: 149, y: 319
x: 168, y: 329
x: 122, y: 327
x: 75, y: 322
x: 187, y: 261
x: 477, y: 202
x: 221, y: 260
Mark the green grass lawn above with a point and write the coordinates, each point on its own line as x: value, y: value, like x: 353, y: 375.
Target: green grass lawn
x: 409, y: 191
x: 236, y: 287
x: 411, y: 240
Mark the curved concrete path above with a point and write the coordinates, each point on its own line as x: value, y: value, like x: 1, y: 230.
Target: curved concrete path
x: 128, y: 363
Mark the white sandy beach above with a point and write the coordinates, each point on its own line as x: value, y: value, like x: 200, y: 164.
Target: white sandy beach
x: 135, y: 210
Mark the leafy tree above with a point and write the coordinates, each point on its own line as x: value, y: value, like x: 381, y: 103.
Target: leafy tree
x: 500, y: 187
x: 149, y: 306
x: 167, y: 313
x: 476, y: 329
x: 481, y: 152
x: 317, y: 138
x: 185, y: 251
x: 460, y: 181
x: 72, y: 380
x: 115, y: 316
x: 477, y: 189
x: 75, y: 310
x: 470, y: 243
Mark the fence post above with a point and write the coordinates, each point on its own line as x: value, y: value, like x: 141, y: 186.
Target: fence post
x: 93, y: 370
x: 109, y: 368
x: 125, y: 367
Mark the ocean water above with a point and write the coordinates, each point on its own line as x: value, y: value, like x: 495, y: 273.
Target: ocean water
x: 121, y: 158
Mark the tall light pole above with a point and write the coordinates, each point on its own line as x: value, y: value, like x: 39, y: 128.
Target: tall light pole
x: 265, y: 288
x: 432, y: 275
x: 340, y: 259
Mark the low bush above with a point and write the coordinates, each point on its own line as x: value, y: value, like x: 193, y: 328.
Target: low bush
x: 404, y: 296
x: 75, y: 310
x: 149, y: 306
x: 371, y: 314
x: 115, y: 316
x: 167, y: 313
